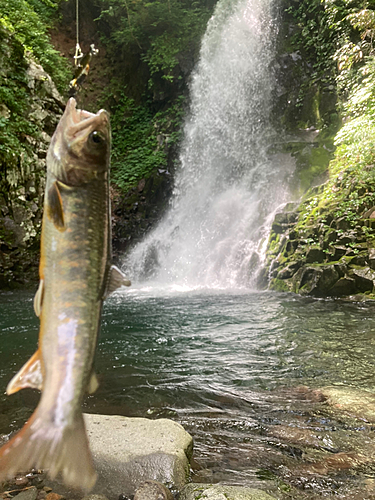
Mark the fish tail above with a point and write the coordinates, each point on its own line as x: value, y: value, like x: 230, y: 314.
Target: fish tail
x: 43, y: 444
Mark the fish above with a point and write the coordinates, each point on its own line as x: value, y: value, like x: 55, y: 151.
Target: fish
x: 76, y: 275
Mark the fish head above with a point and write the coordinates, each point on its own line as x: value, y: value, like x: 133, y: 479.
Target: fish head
x: 80, y: 147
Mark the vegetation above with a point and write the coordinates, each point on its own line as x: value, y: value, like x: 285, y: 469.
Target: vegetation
x: 157, y: 42
x: 330, y: 245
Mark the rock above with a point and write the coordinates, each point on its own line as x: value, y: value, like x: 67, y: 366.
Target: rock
x: 359, y: 260
x: 314, y: 254
x: 371, y: 257
x: 296, y: 436
x: 289, y: 271
x: 21, y: 481
x: 28, y: 494
x: 364, y: 279
x: 128, y: 451
x: 95, y: 497
x: 344, y: 286
x: 221, y: 492
x: 342, y: 223
x: 54, y: 496
x: 153, y: 490
x: 317, y: 280
x: 337, y: 252
x: 356, y: 403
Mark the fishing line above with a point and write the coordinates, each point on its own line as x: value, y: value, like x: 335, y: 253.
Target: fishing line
x: 78, y: 55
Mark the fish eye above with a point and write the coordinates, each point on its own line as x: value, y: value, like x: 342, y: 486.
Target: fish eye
x: 96, y: 137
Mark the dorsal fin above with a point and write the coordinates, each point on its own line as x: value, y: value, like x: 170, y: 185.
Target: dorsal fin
x: 55, y: 211
x: 30, y: 375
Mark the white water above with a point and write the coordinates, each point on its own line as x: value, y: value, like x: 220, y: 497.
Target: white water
x: 228, y: 184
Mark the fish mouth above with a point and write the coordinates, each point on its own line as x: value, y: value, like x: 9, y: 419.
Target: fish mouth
x: 81, y: 123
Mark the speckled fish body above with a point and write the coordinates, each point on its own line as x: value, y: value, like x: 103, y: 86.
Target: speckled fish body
x: 75, y: 277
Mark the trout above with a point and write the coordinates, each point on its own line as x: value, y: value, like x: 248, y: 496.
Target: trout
x: 75, y: 277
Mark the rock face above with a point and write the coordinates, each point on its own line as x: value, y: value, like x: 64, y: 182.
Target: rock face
x: 129, y: 451
x: 23, y: 160
x: 328, y: 257
x: 221, y: 492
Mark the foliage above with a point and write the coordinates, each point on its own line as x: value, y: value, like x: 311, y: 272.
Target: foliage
x: 350, y: 189
x: 21, y: 19
x: 141, y: 140
x: 159, y: 31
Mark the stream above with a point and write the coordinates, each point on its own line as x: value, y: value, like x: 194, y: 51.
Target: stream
x: 236, y: 368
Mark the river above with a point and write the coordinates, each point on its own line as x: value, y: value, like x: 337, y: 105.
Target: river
x: 232, y: 366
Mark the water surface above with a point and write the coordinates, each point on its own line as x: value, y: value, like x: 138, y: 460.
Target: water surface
x: 229, y: 366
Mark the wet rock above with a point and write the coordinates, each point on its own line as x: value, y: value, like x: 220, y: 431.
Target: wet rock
x: 27, y: 494
x: 128, y: 451
x: 344, y: 286
x: 220, y: 492
x: 356, y: 403
x: 152, y: 490
x: 317, y: 280
x: 296, y: 436
x: 335, y: 463
x: 364, y: 279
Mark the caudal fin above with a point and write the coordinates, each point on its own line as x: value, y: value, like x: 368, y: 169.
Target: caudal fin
x: 45, y: 445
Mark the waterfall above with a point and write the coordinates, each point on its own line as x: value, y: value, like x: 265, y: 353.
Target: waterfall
x: 228, y: 183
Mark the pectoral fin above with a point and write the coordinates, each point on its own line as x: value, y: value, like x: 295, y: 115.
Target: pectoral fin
x: 55, y: 211
x: 116, y: 279
x: 30, y: 375
x: 38, y: 299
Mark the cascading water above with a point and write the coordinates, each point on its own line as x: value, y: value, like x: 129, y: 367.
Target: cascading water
x: 228, y: 183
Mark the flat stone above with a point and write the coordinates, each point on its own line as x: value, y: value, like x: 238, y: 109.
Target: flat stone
x: 356, y: 403
x: 129, y: 451
x: 28, y: 494
x: 221, y: 492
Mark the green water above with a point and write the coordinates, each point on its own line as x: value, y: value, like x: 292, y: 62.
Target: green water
x: 224, y: 364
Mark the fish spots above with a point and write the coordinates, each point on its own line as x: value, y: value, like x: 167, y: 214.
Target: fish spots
x: 53, y: 245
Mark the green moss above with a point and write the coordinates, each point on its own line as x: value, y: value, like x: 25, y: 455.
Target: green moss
x: 280, y: 285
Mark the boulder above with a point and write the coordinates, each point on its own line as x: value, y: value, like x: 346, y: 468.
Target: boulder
x: 129, y: 451
x: 344, y: 286
x: 364, y: 279
x: 317, y: 280
x: 221, y: 492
